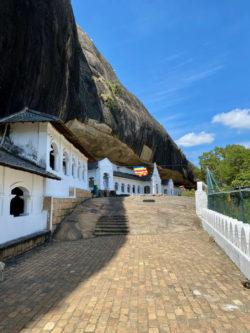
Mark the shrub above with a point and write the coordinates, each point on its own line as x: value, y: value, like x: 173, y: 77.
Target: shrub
x: 108, y: 100
x: 188, y: 193
x: 115, y: 88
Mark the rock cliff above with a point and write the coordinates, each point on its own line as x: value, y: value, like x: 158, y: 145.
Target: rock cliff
x: 51, y: 65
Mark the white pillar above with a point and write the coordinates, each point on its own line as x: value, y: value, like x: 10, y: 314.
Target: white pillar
x: 200, y: 198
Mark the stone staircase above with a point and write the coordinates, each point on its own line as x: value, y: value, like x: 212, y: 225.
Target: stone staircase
x: 112, y: 225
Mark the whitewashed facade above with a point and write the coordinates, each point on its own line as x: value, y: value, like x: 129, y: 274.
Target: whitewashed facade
x: 37, y: 142
x: 34, y: 218
x: 36, y: 160
x: 110, y: 177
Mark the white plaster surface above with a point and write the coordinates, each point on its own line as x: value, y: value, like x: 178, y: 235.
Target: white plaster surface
x: 35, y: 219
x: 115, y: 183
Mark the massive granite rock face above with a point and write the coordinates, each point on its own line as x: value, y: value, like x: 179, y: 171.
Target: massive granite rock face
x: 51, y: 65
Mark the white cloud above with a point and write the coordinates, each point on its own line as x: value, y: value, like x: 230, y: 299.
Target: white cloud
x: 238, y: 118
x: 204, y: 74
x: 192, y: 139
x: 245, y: 144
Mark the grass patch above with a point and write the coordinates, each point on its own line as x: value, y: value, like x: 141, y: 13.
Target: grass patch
x: 188, y: 193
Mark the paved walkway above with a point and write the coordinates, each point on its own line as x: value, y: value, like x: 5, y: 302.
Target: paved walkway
x: 163, y: 282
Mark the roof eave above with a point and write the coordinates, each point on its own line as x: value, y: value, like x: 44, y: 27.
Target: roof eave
x: 51, y: 176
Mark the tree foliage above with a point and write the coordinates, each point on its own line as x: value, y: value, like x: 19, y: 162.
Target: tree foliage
x: 230, y: 166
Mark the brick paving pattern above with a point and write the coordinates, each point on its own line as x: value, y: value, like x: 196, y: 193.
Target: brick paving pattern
x: 176, y: 282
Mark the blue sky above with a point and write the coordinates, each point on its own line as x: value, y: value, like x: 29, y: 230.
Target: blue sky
x: 187, y: 61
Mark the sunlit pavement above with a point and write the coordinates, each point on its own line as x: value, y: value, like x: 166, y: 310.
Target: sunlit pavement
x: 176, y: 282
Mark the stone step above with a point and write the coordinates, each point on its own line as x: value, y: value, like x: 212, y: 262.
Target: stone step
x: 103, y: 233
x: 111, y: 222
x: 111, y: 219
x: 112, y: 225
x: 111, y: 229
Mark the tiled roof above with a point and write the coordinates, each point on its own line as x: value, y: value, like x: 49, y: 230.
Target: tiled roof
x: 129, y: 176
x: 15, y: 162
x: 28, y: 115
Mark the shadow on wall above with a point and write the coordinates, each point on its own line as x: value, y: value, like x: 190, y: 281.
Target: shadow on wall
x: 41, y: 279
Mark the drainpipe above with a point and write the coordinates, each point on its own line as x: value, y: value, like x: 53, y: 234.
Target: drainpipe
x: 4, y: 135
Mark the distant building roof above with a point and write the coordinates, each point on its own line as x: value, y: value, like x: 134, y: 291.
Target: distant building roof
x: 129, y: 176
x: 92, y: 165
x: 28, y: 115
x: 165, y: 181
x: 15, y: 162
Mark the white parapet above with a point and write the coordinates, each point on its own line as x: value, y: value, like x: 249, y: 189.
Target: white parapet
x: 231, y: 235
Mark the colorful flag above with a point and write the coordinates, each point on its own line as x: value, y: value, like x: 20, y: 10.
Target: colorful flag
x: 141, y: 171
x: 182, y: 188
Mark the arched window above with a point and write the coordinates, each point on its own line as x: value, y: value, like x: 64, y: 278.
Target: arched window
x: 123, y: 188
x: 128, y: 188
x: 65, y: 163
x: 165, y: 191
x: 146, y: 189
x: 53, y: 157
x: 106, y: 181
x: 73, y: 168
x: 91, y: 182
x: 138, y: 189
x: 157, y: 189
x: 116, y: 186
x: 79, y: 171
x: 18, y: 203
x: 133, y: 188
x: 83, y: 173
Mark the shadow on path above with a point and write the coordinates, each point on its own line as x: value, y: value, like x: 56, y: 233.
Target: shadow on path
x: 39, y: 280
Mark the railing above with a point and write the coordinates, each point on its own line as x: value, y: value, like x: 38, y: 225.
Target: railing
x: 235, y: 204
x: 232, y: 235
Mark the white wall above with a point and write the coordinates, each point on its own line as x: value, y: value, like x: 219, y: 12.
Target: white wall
x: 61, y: 188
x: 105, y: 166
x: 231, y: 235
x: 131, y: 182
x: 12, y: 227
x: 35, y: 139
x: 169, y: 188
x: 31, y: 138
x: 156, y: 181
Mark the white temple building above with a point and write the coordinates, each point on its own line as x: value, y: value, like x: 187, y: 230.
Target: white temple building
x: 123, y: 181
x: 43, y: 168
x: 45, y: 172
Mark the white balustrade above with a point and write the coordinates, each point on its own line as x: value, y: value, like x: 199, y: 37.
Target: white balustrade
x: 231, y: 235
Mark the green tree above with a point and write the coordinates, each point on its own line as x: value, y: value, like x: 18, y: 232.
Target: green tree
x: 230, y: 166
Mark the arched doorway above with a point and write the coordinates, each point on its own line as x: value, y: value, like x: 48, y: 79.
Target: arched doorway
x: 106, y: 181
x: 65, y: 165
x: 147, y: 189
x: 18, y: 203
x: 53, y: 157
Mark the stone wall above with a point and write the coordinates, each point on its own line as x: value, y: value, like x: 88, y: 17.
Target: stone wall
x: 63, y: 206
x: 21, y: 245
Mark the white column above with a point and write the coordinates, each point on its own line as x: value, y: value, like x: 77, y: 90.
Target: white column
x: 200, y: 198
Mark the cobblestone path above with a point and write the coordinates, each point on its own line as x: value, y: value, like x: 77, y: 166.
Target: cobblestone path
x: 162, y: 282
